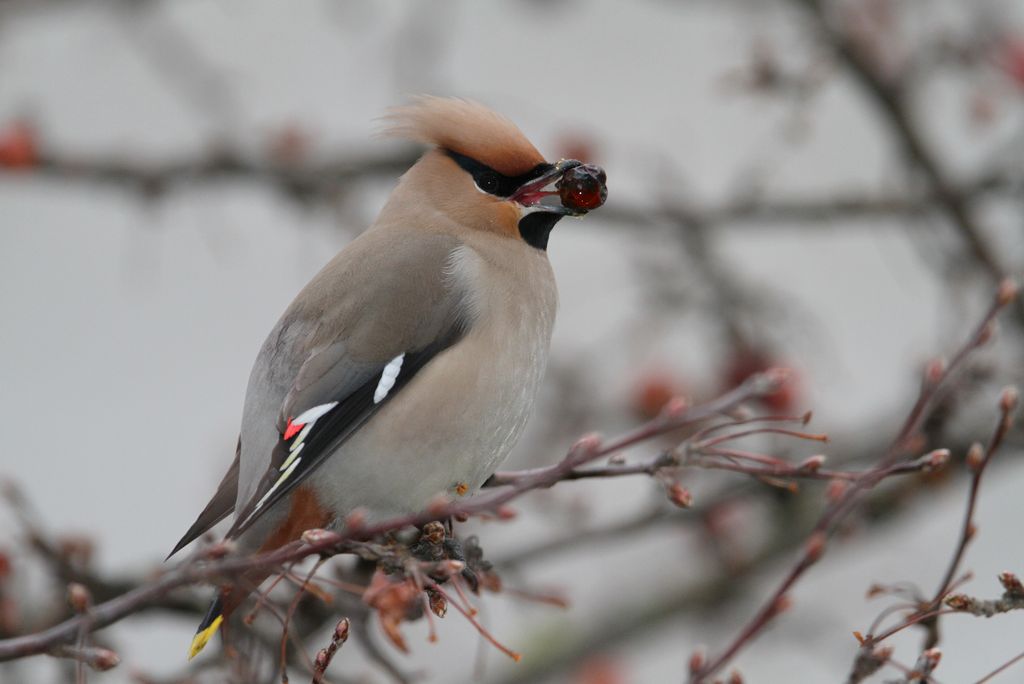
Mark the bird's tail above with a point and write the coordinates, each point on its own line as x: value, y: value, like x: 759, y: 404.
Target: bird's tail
x: 208, y: 627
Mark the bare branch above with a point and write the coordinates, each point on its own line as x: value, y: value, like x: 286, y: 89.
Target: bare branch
x: 935, y: 378
x: 323, y: 543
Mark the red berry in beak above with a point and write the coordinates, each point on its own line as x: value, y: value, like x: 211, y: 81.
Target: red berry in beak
x: 583, y: 188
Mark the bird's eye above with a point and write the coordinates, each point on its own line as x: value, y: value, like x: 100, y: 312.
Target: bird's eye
x: 488, y: 182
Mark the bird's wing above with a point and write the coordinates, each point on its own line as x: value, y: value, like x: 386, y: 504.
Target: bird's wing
x: 220, y: 506
x: 371, y: 345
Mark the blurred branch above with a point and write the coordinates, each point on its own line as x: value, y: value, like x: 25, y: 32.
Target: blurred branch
x: 312, y: 182
x: 890, y: 101
x: 1002, y: 668
x: 152, y: 179
x: 174, y: 55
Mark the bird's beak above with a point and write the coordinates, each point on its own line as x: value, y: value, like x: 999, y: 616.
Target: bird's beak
x: 544, y: 193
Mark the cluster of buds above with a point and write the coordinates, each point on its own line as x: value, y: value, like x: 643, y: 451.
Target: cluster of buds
x: 1012, y: 584
x: 925, y: 665
x: 1012, y: 599
x: 324, y: 655
x: 869, y: 661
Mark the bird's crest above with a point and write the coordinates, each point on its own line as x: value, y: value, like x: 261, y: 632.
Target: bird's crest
x: 465, y: 127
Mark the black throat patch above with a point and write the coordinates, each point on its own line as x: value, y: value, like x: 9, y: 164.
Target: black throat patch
x: 536, y: 227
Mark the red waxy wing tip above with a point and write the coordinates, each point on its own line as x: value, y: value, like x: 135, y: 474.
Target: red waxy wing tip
x: 292, y: 429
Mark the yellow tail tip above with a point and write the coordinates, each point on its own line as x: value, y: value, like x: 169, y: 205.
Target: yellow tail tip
x: 203, y: 636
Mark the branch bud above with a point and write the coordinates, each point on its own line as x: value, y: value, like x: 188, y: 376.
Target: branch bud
x: 438, y: 604
x: 680, y: 495
x: 585, y: 446
x: 933, y: 371
x: 697, y: 660
x: 781, y: 605
x: 772, y: 380
x: 318, y: 537
x: 931, y: 658
x: 815, y: 546
x: 1008, y: 291
x: 341, y: 631
x: 1012, y: 584
x: 958, y: 601
x: 103, y: 659
x: 936, y: 459
x: 355, y: 520
x: 835, y: 490
x: 975, y: 457
x: 438, y: 505
x: 675, y: 407
x: 812, y: 464
x: 433, y: 533
x: 1008, y: 399
x: 79, y: 597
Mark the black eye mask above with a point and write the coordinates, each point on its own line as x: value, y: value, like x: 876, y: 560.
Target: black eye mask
x: 492, y: 182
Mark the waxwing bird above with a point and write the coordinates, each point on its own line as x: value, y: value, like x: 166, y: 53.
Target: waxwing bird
x: 408, y: 366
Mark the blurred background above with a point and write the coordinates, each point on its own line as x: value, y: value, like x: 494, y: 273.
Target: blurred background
x: 834, y: 187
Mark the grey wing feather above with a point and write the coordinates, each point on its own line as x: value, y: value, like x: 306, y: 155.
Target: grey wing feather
x: 350, y: 322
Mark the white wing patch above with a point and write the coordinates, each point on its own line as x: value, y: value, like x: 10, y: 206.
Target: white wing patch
x: 387, y: 378
x: 309, y: 416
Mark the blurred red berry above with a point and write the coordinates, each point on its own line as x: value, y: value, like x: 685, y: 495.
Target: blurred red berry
x: 652, y: 392
x: 18, y: 148
x: 599, y: 669
x: 290, y: 145
x: 5, y: 565
x: 575, y: 145
x: 747, y: 363
x: 1012, y: 61
x: 983, y: 109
